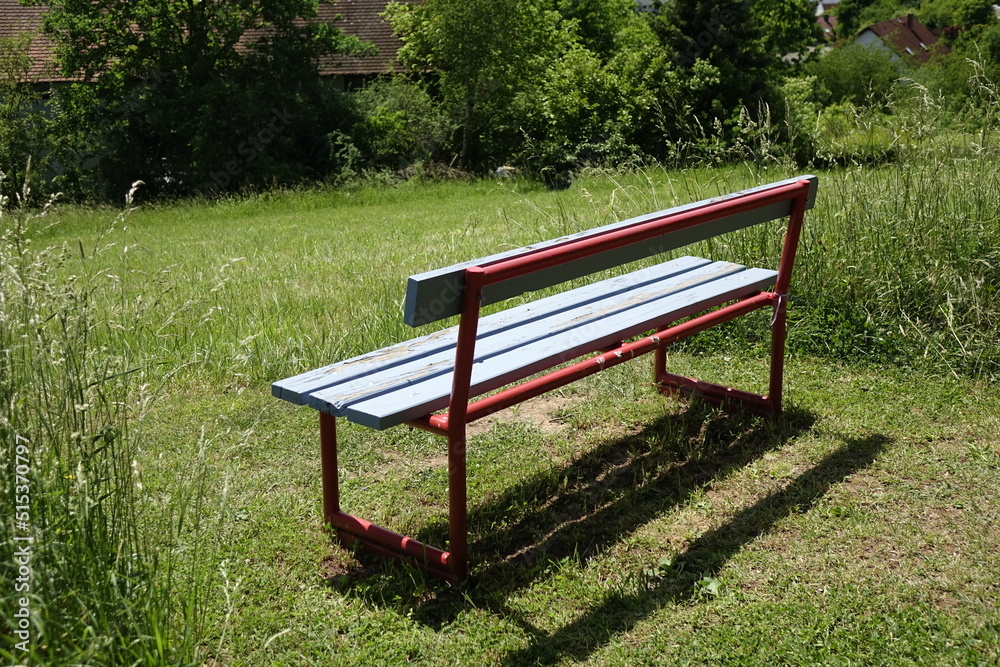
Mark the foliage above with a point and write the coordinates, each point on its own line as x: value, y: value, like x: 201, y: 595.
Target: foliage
x: 939, y: 14
x: 483, y: 54
x: 855, y: 74
x: 735, y: 50
x: 876, y: 12
x: 21, y: 124
x: 596, y: 83
x: 800, y: 113
x: 99, y: 589
x: 192, y: 97
x: 598, y: 23
x: 988, y: 51
x: 231, y: 99
x: 787, y: 27
x: 854, y: 15
x: 587, y: 112
x: 399, y: 124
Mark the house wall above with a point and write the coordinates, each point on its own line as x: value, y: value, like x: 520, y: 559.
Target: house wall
x: 869, y: 39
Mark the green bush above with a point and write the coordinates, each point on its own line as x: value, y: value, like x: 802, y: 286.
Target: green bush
x: 400, y: 125
x: 856, y: 74
x: 938, y: 14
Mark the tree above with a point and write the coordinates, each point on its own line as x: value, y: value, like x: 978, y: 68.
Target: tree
x: 586, y: 110
x: 738, y: 43
x: 855, y: 15
x: 194, y: 95
x: 21, y: 128
x: 482, y: 53
x: 598, y: 23
x: 938, y: 14
x: 856, y: 74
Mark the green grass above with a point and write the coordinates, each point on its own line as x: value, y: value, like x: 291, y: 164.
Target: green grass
x: 858, y: 528
x: 609, y: 525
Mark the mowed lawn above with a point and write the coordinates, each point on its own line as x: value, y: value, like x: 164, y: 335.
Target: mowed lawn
x: 609, y: 525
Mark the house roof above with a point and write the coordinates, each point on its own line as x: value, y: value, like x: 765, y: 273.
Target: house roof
x: 909, y: 38
x: 360, y: 18
x: 828, y: 23
x: 16, y: 19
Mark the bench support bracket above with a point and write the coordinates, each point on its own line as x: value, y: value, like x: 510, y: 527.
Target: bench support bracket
x: 768, y: 405
x: 350, y: 529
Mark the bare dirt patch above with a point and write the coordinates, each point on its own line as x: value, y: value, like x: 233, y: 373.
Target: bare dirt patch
x: 332, y: 566
x: 540, y: 412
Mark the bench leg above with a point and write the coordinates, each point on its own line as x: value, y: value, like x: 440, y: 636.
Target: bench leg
x: 458, y: 526
x: 328, y: 463
x: 659, y: 363
x: 778, y: 331
x: 351, y: 529
x: 669, y: 383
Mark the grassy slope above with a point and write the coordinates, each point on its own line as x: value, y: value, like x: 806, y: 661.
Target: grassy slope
x: 860, y: 529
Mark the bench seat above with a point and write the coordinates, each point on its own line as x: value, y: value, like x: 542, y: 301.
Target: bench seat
x: 410, y: 380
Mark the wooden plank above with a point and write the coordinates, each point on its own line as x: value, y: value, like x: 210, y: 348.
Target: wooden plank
x: 435, y: 295
x: 420, y: 398
x: 296, y: 389
x: 576, y: 316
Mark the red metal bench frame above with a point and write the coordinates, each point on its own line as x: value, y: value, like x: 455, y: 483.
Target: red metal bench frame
x: 452, y: 565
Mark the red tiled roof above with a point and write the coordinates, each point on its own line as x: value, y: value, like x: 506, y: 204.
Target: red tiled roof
x: 909, y: 38
x: 16, y: 19
x: 360, y: 18
x: 828, y: 23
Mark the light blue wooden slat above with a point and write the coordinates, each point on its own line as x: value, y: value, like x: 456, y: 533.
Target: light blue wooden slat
x: 420, y: 398
x: 435, y: 295
x: 340, y: 396
x: 296, y: 389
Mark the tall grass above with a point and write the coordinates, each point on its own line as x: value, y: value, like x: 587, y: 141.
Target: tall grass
x: 102, y: 588
x: 900, y: 263
x: 900, y: 259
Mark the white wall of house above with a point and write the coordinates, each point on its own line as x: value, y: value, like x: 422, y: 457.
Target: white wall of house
x: 825, y: 5
x: 869, y: 39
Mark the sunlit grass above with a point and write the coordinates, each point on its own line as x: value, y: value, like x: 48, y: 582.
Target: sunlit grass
x: 183, y: 501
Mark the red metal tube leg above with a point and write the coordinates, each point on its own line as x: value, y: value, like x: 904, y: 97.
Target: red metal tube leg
x: 458, y: 522
x: 659, y: 363
x: 465, y: 351
x: 777, y: 354
x: 328, y: 461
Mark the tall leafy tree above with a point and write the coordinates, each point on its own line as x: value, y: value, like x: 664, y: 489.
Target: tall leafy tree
x: 599, y: 23
x: 736, y: 47
x: 195, y: 95
x: 937, y: 14
x: 854, y: 16
x: 483, y: 53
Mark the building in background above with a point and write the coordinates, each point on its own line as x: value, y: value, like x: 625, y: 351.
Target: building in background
x: 906, y: 38
x: 361, y: 18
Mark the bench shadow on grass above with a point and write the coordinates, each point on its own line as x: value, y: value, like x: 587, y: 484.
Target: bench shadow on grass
x: 619, y: 613
x: 582, y: 509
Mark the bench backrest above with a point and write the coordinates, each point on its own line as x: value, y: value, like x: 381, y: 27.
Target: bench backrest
x: 435, y: 295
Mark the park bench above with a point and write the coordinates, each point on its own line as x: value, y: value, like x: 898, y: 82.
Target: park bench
x: 412, y: 382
